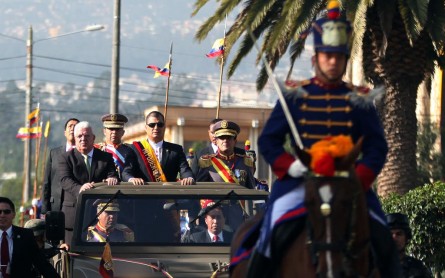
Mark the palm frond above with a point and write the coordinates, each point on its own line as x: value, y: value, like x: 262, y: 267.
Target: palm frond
x: 198, y: 5
x: 419, y: 9
x: 243, y: 50
x: 358, y: 22
x: 260, y: 11
x: 296, y: 49
x: 436, y: 24
x: 411, y: 25
x: 224, y: 9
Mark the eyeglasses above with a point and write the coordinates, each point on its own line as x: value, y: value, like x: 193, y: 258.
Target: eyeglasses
x: 5, y: 211
x: 159, y: 124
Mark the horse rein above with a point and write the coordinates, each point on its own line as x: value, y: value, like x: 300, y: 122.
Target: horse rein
x: 344, y: 246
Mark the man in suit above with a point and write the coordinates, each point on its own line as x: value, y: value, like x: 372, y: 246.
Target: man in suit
x: 52, y: 193
x: 159, y: 160
x: 123, y: 156
x: 215, y: 222
x: 19, y: 250
x: 79, y: 169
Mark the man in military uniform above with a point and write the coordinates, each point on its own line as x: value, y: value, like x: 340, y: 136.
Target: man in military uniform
x: 320, y: 107
x: 401, y: 233
x: 107, y: 226
x: 226, y: 165
x: 123, y: 155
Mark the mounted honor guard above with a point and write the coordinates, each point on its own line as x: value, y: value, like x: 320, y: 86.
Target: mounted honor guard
x: 320, y: 107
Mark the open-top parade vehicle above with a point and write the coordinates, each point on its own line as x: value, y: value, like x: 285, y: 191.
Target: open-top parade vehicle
x: 158, y: 220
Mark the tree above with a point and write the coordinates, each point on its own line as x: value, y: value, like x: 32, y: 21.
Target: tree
x: 425, y: 209
x: 401, y: 43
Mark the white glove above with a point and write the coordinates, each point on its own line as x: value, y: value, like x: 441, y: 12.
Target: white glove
x: 296, y: 169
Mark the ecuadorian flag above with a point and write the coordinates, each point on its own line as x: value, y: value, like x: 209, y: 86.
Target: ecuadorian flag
x: 217, y: 49
x: 158, y: 71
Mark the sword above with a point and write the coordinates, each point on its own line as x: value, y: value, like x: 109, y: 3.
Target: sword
x: 283, y: 103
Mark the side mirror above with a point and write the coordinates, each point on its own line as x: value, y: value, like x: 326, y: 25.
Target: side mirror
x: 55, y: 226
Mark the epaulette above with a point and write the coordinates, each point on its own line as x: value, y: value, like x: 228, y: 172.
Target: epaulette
x: 293, y: 84
x: 128, y: 233
x: 248, y: 160
x: 100, y: 146
x: 294, y: 89
x: 364, y: 97
x: 358, y: 89
x: 204, y: 161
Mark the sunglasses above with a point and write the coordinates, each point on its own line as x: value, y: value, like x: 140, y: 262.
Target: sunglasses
x: 159, y: 124
x: 5, y: 211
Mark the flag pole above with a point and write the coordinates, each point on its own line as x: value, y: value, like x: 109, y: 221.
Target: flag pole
x: 36, y: 165
x: 221, y: 70
x: 168, y: 81
x: 45, y: 149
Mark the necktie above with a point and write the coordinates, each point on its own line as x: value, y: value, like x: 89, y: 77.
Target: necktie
x: 215, y: 238
x: 4, y: 254
x: 87, y: 163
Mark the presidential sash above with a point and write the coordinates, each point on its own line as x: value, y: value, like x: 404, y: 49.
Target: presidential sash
x: 223, y: 170
x: 118, y: 158
x: 150, y: 160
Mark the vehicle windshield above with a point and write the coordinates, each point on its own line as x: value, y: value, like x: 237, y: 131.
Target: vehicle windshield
x: 155, y: 220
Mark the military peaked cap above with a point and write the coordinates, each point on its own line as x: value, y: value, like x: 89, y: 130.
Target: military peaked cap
x: 224, y: 127
x: 36, y: 225
x: 112, y: 206
x: 114, y: 120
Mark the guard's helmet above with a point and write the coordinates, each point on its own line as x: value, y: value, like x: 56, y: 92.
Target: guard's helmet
x: 399, y: 221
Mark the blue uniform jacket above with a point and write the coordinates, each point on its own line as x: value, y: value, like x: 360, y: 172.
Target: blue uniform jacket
x: 318, y: 111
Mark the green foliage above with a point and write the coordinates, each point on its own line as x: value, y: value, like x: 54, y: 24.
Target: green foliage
x: 13, y: 190
x: 430, y: 162
x: 425, y: 208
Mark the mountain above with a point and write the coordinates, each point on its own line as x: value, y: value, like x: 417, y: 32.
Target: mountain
x: 71, y: 72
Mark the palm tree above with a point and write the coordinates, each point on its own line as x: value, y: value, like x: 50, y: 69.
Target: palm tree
x: 401, y: 42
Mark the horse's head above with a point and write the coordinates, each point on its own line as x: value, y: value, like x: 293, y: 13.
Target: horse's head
x: 338, y: 224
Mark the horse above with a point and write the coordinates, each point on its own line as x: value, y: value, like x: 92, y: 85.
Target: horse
x: 335, y: 241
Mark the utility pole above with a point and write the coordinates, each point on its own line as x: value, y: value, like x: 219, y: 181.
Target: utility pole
x: 114, y: 93
x: 28, y: 103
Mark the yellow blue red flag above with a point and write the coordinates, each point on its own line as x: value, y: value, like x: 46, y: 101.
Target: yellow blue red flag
x: 217, y: 49
x: 29, y: 132
x: 33, y: 116
x: 158, y: 71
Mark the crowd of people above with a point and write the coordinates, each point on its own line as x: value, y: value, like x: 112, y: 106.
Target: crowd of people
x: 82, y: 162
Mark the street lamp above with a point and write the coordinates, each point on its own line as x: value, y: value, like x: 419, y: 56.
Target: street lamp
x: 29, y: 56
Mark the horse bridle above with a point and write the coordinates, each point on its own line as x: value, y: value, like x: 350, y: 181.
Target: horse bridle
x: 344, y: 246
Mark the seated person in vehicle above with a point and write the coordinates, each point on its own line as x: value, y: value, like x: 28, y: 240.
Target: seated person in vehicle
x: 107, y: 226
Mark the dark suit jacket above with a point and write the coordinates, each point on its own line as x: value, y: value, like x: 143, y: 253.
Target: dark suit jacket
x: 26, y: 253
x: 52, y: 195
x: 73, y: 174
x: 173, y: 162
x: 204, y: 237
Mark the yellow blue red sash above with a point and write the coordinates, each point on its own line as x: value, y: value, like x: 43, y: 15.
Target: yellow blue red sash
x: 151, y: 162
x: 223, y: 170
